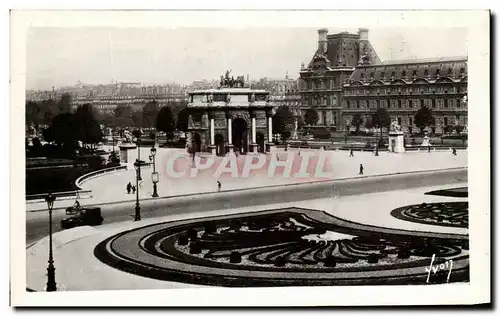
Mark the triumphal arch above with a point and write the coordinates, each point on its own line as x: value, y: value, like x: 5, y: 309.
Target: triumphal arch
x: 231, y: 118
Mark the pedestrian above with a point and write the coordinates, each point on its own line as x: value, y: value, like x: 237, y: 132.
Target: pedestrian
x: 454, y: 152
x: 133, y: 189
x: 129, y: 187
x: 428, y: 149
x: 361, y: 169
x: 219, y: 185
x: 352, y: 153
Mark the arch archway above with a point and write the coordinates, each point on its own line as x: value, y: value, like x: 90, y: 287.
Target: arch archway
x: 240, y: 135
x: 219, y: 145
x: 260, y: 142
x: 196, y: 143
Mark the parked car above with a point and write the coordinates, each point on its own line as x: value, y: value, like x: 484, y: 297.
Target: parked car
x: 82, y: 217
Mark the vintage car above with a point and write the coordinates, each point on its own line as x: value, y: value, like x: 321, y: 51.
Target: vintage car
x: 82, y: 217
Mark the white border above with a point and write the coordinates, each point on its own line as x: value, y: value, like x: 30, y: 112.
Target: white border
x: 478, y: 291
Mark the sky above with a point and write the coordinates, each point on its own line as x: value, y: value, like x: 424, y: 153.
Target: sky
x: 59, y: 57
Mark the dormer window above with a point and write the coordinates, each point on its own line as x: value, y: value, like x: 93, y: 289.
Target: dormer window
x: 450, y: 71
x: 462, y: 71
x: 414, y: 73
x: 426, y: 72
x: 403, y: 74
x: 372, y: 74
x: 382, y: 75
x: 438, y: 72
x: 393, y: 74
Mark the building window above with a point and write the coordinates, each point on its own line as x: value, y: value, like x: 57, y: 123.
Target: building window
x: 421, y: 103
x: 399, y: 103
x: 378, y: 104
x: 410, y: 119
x: 357, y: 104
x: 410, y: 103
x: 347, y: 104
x: 445, y: 103
x: 324, y: 118
x: 458, y: 103
x: 399, y: 121
x: 445, y: 121
x: 433, y: 103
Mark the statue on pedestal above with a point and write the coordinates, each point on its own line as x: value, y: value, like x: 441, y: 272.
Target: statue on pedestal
x: 395, y: 127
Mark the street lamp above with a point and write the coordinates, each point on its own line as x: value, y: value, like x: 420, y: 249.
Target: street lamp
x: 154, y: 175
x: 137, y: 166
x: 378, y: 143
x: 51, y: 270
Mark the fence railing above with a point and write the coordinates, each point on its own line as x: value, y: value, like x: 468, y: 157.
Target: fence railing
x: 93, y: 174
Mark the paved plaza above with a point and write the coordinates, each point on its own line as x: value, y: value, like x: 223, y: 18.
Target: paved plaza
x: 74, y: 248
x: 110, y: 187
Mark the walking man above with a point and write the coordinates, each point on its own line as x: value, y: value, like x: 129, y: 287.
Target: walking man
x: 129, y: 187
x: 454, y: 152
x: 133, y: 189
x: 361, y: 169
x: 219, y: 185
x: 351, y: 154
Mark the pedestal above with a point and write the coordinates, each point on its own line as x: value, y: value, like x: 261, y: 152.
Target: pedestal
x: 230, y: 149
x: 396, y: 142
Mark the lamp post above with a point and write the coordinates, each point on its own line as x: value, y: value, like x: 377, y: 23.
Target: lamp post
x: 51, y: 270
x: 378, y: 143
x: 154, y: 175
x: 137, y: 166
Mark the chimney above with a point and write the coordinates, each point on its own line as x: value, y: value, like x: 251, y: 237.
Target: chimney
x: 363, y: 34
x: 322, y: 33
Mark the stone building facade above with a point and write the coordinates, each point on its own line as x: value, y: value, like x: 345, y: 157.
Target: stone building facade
x: 346, y: 77
x: 226, y: 120
x: 403, y: 87
x: 321, y: 81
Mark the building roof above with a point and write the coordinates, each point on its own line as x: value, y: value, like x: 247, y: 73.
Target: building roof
x: 229, y: 90
x: 453, y: 68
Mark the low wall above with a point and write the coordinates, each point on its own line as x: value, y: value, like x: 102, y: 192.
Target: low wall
x: 80, y: 194
x: 98, y: 173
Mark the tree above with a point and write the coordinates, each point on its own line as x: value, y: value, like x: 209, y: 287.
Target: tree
x: 123, y: 114
x: 123, y: 111
x: 448, y: 129
x: 381, y: 118
x: 311, y: 117
x: 165, y: 122
x: 357, y: 121
x: 283, y: 123
x: 32, y: 115
x: 64, y: 104
x: 424, y: 118
x: 65, y: 131
x: 183, y: 120
x: 48, y: 134
x: 138, y: 119
x: 149, y: 114
x: 89, y: 130
x: 369, y: 123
